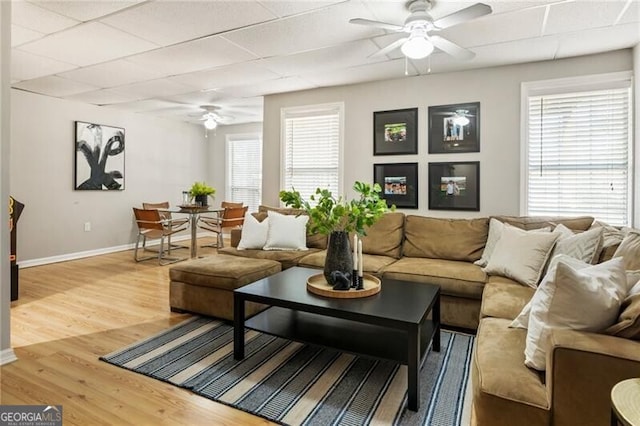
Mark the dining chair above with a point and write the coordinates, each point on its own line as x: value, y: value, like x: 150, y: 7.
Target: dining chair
x: 166, y: 215
x: 231, y: 217
x: 152, y: 226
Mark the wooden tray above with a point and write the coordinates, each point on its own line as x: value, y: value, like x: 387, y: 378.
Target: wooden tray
x: 317, y: 284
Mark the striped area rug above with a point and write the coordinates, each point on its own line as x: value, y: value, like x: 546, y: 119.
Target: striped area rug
x: 297, y: 384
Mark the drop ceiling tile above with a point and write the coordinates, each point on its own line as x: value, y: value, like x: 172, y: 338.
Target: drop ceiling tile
x: 315, y: 30
x: 144, y: 105
x: 170, y: 22
x: 111, y: 74
x: 154, y: 88
x: 192, y: 56
x: 632, y: 14
x: 102, y: 97
x: 232, y: 75
x: 288, y: 8
x: 54, y: 86
x: 196, y: 98
x: 500, y: 28
x: 370, y: 72
x: 340, y: 56
x: 85, y: 10
x: 576, y: 16
x: 35, y: 18
x: 25, y: 65
x: 281, y: 85
x: 21, y: 35
x: 599, y: 40
x: 88, y: 44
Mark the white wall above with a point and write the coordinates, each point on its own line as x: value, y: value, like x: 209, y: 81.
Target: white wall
x: 497, y: 90
x: 217, y: 160
x: 162, y: 158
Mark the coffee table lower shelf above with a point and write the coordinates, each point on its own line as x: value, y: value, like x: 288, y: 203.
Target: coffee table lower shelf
x: 345, y: 335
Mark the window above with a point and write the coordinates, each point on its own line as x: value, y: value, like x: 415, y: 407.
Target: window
x: 312, y: 148
x: 244, y: 170
x: 577, y: 148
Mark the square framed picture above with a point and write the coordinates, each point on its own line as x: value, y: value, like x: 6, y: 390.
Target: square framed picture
x: 399, y: 183
x: 395, y: 132
x: 454, y: 186
x: 454, y: 128
x: 99, y: 162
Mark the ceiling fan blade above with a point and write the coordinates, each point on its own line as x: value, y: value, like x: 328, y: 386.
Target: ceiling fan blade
x: 451, y: 48
x: 384, y: 25
x: 399, y: 42
x: 475, y: 11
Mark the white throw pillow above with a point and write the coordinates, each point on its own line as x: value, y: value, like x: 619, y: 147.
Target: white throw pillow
x: 585, y: 246
x: 521, y: 255
x: 611, y: 235
x: 495, y: 231
x: 286, y: 232
x: 586, y: 299
x: 629, y: 250
x: 254, y: 233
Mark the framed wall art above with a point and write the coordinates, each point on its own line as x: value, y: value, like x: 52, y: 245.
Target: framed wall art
x: 454, y: 186
x: 99, y: 163
x: 395, y: 132
x: 399, y: 182
x: 454, y: 128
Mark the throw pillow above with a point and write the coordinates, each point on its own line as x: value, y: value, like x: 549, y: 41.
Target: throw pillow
x: 521, y: 255
x: 286, y: 232
x: 586, y: 299
x: 495, y: 231
x: 611, y: 235
x: 584, y: 246
x: 629, y: 250
x: 628, y: 325
x: 254, y: 233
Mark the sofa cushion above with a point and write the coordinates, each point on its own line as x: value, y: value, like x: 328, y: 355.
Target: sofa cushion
x: 372, y: 264
x: 448, y: 239
x: 581, y: 223
x: 628, y: 324
x: 499, y: 368
x: 461, y: 279
x: 504, y: 298
x: 577, y: 296
x: 521, y: 255
x: 384, y: 238
x: 288, y: 258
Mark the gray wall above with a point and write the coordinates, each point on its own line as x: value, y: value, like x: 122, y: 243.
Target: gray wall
x: 162, y: 158
x: 497, y: 90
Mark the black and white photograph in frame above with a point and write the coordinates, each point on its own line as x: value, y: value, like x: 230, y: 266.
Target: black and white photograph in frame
x: 454, y: 128
x: 395, y: 132
x: 99, y: 163
x: 399, y: 183
x: 454, y: 186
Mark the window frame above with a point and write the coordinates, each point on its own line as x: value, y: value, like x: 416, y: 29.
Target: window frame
x: 287, y: 112
x: 571, y: 85
x: 234, y: 137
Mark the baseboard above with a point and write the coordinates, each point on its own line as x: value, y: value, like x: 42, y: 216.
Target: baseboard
x: 90, y: 253
x: 7, y: 356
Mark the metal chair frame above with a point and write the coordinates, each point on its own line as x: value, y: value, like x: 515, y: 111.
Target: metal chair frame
x: 232, y: 217
x: 166, y: 215
x: 152, y: 226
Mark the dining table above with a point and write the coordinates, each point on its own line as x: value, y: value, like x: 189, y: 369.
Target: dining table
x: 194, y: 212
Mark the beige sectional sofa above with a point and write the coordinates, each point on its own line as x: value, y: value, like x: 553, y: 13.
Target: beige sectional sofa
x: 581, y: 368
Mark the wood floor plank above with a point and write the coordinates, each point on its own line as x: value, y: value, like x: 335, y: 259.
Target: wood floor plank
x: 71, y: 313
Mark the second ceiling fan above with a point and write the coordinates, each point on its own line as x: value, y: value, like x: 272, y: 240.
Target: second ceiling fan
x: 419, y: 26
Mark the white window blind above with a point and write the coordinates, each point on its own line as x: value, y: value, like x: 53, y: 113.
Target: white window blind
x: 312, y: 149
x: 244, y: 172
x: 578, y: 154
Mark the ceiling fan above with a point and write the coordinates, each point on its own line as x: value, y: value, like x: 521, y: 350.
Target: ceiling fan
x: 212, y: 118
x: 419, y: 26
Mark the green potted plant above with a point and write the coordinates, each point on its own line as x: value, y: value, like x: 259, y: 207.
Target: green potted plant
x: 336, y: 217
x: 200, y: 191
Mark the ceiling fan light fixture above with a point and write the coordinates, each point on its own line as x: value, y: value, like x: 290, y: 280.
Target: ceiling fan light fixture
x: 210, y: 123
x: 461, y: 120
x: 417, y: 47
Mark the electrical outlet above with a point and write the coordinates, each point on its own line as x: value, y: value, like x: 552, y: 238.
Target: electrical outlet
x: 87, y: 226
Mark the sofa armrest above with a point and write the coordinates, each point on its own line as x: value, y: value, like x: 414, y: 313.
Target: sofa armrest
x: 236, y: 234
x: 581, y: 370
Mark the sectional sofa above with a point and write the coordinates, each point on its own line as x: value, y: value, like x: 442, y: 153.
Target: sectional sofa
x: 581, y: 368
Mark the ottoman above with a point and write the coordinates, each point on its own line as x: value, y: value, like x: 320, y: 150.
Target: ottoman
x: 205, y: 286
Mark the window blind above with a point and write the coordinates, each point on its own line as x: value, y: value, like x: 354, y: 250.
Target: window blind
x: 244, y: 177
x: 578, y: 154
x: 312, y: 150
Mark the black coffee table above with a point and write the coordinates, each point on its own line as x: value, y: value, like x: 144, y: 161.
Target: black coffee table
x: 390, y: 325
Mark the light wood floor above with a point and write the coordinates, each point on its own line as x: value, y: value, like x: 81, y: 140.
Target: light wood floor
x: 69, y: 314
